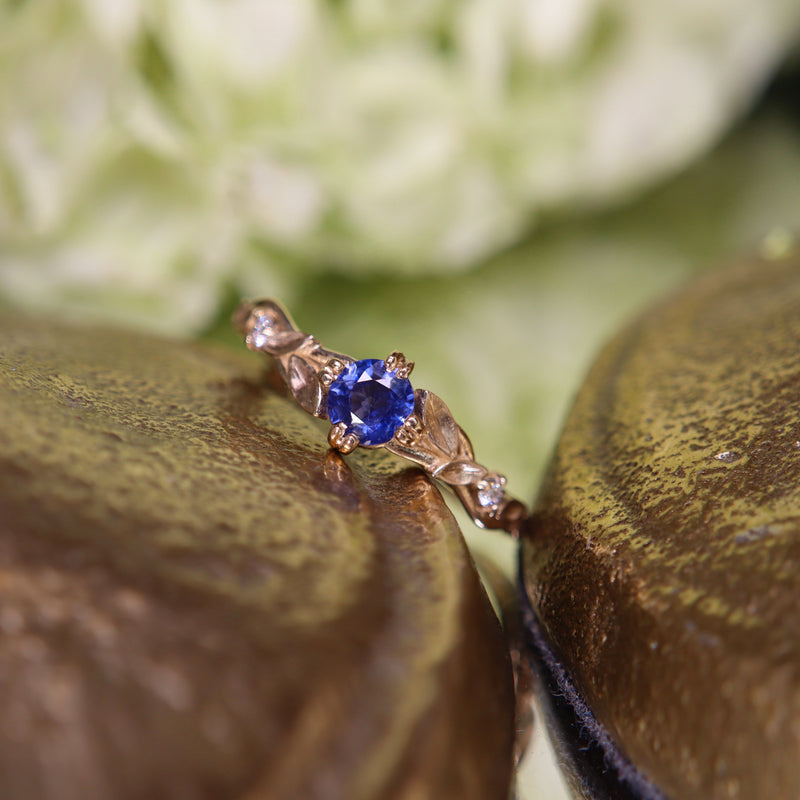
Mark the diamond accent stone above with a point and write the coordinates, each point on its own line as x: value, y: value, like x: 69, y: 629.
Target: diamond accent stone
x: 262, y: 331
x: 490, y: 491
x: 370, y: 400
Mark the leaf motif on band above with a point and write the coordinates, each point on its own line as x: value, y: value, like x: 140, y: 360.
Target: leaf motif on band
x: 465, y: 445
x: 440, y: 425
x: 460, y: 473
x: 284, y: 342
x: 304, y: 384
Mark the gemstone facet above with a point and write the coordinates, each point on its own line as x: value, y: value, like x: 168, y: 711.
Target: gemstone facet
x: 263, y: 330
x: 370, y: 400
x: 490, y: 491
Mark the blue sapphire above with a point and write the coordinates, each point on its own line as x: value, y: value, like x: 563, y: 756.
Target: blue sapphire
x: 372, y: 402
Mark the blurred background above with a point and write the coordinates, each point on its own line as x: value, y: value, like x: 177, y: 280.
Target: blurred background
x: 492, y: 186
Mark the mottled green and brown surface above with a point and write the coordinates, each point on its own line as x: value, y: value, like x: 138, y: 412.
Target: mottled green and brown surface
x: 197, y: 600
x: 665, y: 559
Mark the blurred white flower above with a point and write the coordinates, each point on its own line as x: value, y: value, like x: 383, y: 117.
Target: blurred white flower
x: 154, y: 149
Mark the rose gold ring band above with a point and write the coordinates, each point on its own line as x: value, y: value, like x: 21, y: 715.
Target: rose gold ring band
x: 416, y: 424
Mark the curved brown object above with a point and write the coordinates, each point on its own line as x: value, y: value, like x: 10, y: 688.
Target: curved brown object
x: 198, y: 600
x: 664, y: 563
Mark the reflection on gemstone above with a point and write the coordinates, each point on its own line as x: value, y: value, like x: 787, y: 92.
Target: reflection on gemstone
x: 490, y: 491
x: 262, y: 330
x: 372, y: 402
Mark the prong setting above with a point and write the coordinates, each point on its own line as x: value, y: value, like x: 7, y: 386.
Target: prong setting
x: 330, y: 372
x: 349, y: 443
x: 409, y: 431
x: 339, y: 439
x: 260, y: 328
x: 371, y: 403
x: 396, y: 362
x: 491, y: 489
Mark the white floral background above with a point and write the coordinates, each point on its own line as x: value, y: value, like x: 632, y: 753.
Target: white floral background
x: 492, y: 186
x: 152, y: 153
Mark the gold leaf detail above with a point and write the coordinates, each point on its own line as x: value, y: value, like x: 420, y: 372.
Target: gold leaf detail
x: 441, y: 427
x: 304, y: 384
x: 460, y: 473
x: 465, y: 445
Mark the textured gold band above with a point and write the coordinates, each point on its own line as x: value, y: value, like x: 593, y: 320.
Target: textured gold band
x: 428, y: 435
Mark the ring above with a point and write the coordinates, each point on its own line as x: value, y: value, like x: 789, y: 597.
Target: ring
x: 371, y: 403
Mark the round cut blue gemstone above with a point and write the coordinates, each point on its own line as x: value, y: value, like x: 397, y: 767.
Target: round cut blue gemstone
x: 372, y: 402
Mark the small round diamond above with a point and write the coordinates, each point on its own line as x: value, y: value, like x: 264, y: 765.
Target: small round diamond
x: 263, y: 330
x: 490, y: 491
x: 370, y: 400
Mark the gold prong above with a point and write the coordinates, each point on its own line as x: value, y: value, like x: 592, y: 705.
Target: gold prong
x: 405, y: 370
x: 413, y: 422
x: 331, y: 371
x: 336, y: 435
x: 408, y: 432
x: 396, y: 362
x: 349, y: 443
x: 339, y: 439
x: 405, y: 436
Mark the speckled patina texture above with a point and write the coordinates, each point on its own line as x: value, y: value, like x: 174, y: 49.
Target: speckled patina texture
x: 664, y: 562
x: 198, y: 600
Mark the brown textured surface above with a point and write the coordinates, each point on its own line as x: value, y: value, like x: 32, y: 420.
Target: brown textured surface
x: 665, y: 564
x: 198, y: 601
